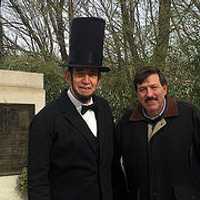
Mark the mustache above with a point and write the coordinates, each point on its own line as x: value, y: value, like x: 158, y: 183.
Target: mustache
x: 150, y: 98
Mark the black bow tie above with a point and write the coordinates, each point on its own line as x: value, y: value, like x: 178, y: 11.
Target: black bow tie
x: 84, y: 109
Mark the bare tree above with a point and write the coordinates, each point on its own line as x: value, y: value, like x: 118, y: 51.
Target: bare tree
x: 38, y: 26
x: 136, y: 31
x: 1, y: 35
x: 162, y: 39
x: 55, y: 12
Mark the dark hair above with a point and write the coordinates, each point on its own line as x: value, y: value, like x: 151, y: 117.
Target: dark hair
x: 144, y: 72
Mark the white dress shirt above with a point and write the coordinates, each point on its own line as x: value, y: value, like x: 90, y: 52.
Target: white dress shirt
x: 89, y: 116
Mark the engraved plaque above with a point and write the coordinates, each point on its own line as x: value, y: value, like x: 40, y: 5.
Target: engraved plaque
x: 14, y: 124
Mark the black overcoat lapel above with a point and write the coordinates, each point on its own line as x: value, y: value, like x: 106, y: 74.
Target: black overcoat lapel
x: 100, y: 116
x: 69, y: 111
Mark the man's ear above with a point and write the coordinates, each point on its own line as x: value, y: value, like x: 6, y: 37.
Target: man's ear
x: 165, y: 87
x: 67, y: 76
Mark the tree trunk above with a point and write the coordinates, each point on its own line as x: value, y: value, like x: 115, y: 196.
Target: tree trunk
x: 128, y: 29
x: 61, y: 36
x: 162, y: 43
x: 1, y: 36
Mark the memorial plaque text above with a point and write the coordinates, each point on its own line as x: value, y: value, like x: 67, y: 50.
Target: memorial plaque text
x: 14, y: 122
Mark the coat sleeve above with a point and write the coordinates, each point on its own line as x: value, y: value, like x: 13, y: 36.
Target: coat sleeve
x: 40, y: 141
x: 195, y: 150
x: 119, y: 183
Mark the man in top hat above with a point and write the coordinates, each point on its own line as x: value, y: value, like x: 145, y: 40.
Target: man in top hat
x: 71, y: 140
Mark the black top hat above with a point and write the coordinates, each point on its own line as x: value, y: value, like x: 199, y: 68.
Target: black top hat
x: 86, y: 43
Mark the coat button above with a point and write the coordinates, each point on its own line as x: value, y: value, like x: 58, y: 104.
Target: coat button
x: 155, y: 196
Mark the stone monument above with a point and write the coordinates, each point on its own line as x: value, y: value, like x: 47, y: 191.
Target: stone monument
x: 21, y: 96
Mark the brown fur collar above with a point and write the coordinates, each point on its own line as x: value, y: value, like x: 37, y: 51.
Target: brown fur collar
x: 171, y: 110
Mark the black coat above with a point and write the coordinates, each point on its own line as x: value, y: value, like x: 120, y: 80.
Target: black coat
x: 66, y: 161
x: 166, y: 167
